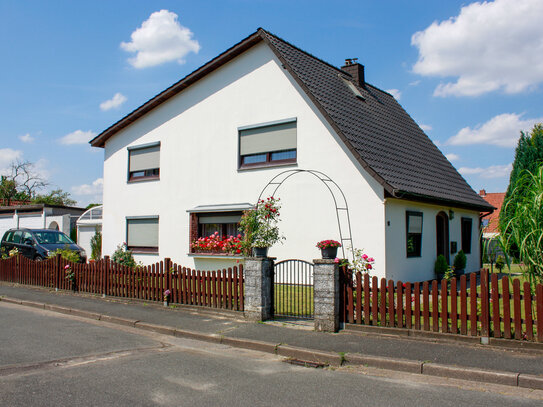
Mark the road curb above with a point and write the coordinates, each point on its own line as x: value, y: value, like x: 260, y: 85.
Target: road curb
x: 311, y: 355
x: 466, y: 373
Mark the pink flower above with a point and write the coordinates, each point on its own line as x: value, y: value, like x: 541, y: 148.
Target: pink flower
x: 368, y: 267
x: 67, y: 266
x: 371, y: 259
x: 365, y: 256
x: 336, y: 260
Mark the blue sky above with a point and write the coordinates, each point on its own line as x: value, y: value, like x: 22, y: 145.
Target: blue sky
x: 469, y: 73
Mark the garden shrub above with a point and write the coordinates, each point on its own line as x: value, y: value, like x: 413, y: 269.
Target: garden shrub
x: 460, y: 260
x: 96, y: 246
x: 500, y: 263
x: 67, y: 254
x: 441, y: 266
x: 123, y: 256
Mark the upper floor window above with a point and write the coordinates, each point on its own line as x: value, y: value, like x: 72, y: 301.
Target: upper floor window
x: 467, y: 225
x: 267, y: 144
x: 144, y: 162
x: 414, y: 233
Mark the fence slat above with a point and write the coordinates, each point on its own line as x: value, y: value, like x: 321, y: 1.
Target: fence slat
x: 382, y: 309
x: 506, y: 301
x: 463, y: 306
x: 485, y: 304
x: 539, y: 300
x: 374, y: 300
x: 454, y: 306
x: 416, y: 297
x: 444, y: 307
x: 528, y: 311
x: 435, y: 307
x: 399, y: 304
x: 426, y: 305
x: 516, y: 309
x: 495, y: 299
x: 367, y: 310
x: 473, y: 304
x: 359, y: 289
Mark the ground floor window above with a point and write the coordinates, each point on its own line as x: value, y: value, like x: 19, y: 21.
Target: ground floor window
x: 413, y: 227
x: 142, y: 234
x: 214, y: 229
x: 467, y: 224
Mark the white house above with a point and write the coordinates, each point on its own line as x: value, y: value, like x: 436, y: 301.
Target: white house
x: 188, y: 161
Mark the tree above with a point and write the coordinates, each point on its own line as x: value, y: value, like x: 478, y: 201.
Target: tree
x: 526, y: 225
x: 528, y: 157
x: 55, y: 197
x: 21, y: 184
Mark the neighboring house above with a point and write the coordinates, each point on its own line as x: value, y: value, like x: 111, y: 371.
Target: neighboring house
x: 491, y: 222
x: 187, y: 162
x: 39, y: 216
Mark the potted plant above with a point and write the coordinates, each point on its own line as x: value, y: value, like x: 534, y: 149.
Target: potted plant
x: 328, y: 248
x: 260, y: 227
x: 440, y: 267
x: 459, y: 263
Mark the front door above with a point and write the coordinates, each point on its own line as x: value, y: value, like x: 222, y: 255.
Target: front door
x: 442, y: 235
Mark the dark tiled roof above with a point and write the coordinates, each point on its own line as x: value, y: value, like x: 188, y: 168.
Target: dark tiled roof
x: 384, y: 136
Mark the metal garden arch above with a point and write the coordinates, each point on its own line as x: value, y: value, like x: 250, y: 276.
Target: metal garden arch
x: 344, y: 223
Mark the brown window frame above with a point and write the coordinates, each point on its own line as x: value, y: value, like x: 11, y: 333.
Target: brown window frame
x: 268, y: 162
x: 149, y: 173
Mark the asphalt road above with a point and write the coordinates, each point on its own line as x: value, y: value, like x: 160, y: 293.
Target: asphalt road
x: 47, y: 359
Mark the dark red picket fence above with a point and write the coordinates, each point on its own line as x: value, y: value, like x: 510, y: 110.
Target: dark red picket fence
x: 217, y: 289
x: 489, y: 307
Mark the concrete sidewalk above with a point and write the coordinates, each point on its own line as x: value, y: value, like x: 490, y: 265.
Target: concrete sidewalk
x: 439, y: 358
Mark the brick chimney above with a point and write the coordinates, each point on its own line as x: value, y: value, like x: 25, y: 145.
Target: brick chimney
x: 356, y: 70
x: 482, y: 193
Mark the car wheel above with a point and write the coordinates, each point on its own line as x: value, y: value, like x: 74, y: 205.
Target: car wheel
x: 38, y: 258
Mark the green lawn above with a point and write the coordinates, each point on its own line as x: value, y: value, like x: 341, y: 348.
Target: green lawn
x: 293, y: 300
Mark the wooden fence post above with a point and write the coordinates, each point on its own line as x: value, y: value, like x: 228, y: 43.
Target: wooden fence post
x: 167, y: 277
x: 485, y: 305
x: 106, y: 276
x: 58, y: 267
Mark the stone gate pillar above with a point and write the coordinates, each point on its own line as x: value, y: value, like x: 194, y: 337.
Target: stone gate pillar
x: 258, y: 275
x: 326, y: 295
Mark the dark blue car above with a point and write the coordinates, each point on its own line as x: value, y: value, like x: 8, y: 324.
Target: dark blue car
x: 38, y: 244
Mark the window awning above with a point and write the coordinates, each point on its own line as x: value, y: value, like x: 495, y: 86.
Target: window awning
x: 222, y: 207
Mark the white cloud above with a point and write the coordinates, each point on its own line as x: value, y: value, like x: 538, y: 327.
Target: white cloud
x: 452, y: 157
x: 502, y: 130
x: 425, y: 127
x: 89, y: 189
x: 395, y: 92
x: 117, y: 100
x: 160, y: 39
x: 489, y: 46
x: 414, y: 83
x: 77, y: 137
x: 27, y: 138
x: 494, y: 171
x: 7, y: 156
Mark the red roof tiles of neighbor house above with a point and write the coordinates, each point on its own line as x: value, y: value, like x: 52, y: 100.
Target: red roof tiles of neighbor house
x: 495, y: 199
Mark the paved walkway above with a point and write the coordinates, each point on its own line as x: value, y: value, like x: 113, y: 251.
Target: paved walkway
x: 231, y: 325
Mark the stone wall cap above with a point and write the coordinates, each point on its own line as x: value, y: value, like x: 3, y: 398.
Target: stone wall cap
x: 324, y: 261
x: 260, y: 258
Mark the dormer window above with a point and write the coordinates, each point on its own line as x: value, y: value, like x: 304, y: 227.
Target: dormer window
x: 268, y: 144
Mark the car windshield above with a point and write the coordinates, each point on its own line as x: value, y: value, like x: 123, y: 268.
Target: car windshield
x: 52, y: 237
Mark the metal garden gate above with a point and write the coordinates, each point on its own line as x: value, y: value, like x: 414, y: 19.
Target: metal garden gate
x: 293, y: 289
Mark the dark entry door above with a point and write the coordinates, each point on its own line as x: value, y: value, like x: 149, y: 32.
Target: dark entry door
x: 442, y: 235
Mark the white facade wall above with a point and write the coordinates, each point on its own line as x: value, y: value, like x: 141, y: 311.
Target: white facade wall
x: 398, y: 265
x: 198, y: 131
